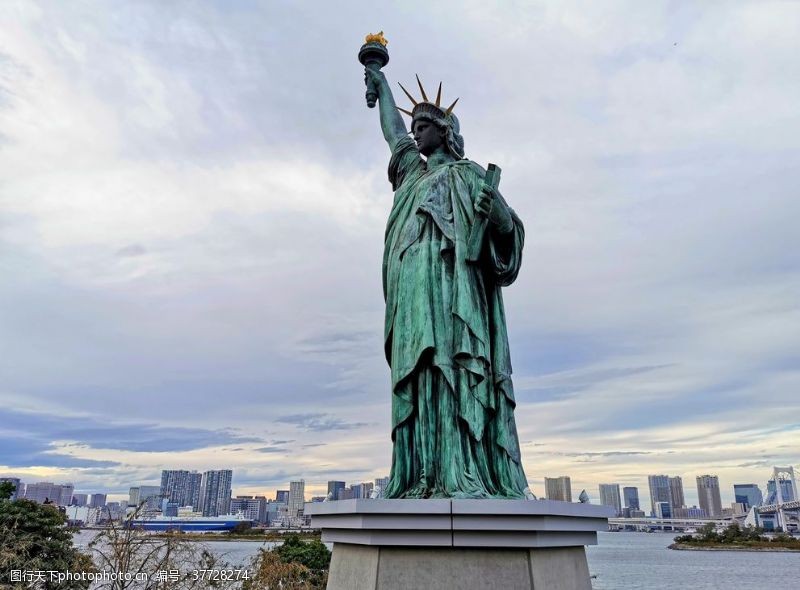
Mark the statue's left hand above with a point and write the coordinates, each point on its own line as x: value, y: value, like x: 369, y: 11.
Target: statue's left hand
x: 490, y: 205
x: 483, y: 206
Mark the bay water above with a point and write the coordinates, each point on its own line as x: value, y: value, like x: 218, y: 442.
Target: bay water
x: 625, y: 561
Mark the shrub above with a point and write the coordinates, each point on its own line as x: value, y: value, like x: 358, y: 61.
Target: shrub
x: 294, y: 565
x: 34, y: 537
x: 313, y: 554
x: 269, y: 572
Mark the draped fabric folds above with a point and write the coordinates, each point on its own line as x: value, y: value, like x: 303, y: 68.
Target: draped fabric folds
x: 453, y: 427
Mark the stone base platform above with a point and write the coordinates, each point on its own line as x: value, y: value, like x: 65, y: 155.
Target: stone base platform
x: 464, y: 544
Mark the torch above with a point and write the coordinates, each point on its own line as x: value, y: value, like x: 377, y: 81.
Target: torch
x: 373, y: 55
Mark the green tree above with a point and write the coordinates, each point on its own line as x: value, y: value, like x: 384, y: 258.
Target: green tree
x: 34, y: 537
x: 708, y: 532
x: 732, y: 534
x: 6, y: 490
x: 293, y: 565
x: 242, y: 528
x: 313, y: 554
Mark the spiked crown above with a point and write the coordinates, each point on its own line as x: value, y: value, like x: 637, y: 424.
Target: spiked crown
x: 425, y: 109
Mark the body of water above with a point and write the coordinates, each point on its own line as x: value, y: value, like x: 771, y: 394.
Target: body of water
x: 628, y: 561
x: 236, y: 553
x: 641, y: 561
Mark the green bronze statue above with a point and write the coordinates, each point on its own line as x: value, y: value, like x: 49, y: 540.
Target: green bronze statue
x: 451, y: 243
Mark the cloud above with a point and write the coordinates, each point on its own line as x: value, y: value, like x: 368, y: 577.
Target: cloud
x: 607, y: 454
x: 46, y: 440
x: 273, y: 450
x: 197, y: 244
x: 131, y: 251
x: 563, y: 384
x: 319, y: 422
x: 28, y: 452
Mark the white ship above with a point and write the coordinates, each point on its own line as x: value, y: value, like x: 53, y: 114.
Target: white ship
x: 190, y: 523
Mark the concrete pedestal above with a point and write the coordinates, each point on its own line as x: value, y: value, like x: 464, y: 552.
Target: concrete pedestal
x: 464, y: 544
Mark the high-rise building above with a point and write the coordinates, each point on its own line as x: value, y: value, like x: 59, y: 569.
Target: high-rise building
x: 748, y: 494
x: 362, y: 490
x: 41, y: 491
x: 182, y: 487
x: 65, y: 498
x: 19, y: 491
x: 169, y: 508
x: 147, y: 493
x: 46, y: 491
x: 558, y: 488
x: 659, y: 491
x: 739, y: 509
x: 708, y: 495
x: 631, y: 496
x: 281, y: 515
x: 663, y: 510
x: 334, y: 488
x: 195, y: 490
x: 297, y: 498
x: 216, y: 494
x: 273, y: 516
x: 692, y: 512
x: 282, y: 496
x: 79, y: 500
x: 381, y: 483
x: 149, y: 496
x: 113, y: 511
x: 609, y: 496
x: 97, y: 500
x: 676, y: 499
x: 173, y: 485
x: 252, y: 507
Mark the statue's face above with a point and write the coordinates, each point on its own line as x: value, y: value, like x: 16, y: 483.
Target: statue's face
x: 428, y: 136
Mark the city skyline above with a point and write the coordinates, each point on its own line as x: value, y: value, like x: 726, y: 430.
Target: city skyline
x: 561, y: 488
x: 192, y: 214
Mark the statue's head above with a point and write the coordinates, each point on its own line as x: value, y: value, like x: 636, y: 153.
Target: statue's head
x: 433, y: 126
x: 431, y: 133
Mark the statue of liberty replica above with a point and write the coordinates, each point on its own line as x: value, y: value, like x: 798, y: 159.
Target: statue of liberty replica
x: 454, y: 514
x: 451, y: 243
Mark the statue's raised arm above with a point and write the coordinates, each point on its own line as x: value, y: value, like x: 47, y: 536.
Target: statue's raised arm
x: 374, y: 56
x: 392, y: 124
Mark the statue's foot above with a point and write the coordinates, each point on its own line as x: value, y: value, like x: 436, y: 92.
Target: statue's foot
x: 528, y: 494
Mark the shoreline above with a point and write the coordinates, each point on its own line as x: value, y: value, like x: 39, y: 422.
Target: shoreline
x: 270, y: 537
x: 692, y: 547
x: 227, y: 537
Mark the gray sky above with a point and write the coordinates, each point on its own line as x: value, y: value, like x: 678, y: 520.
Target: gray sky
x: 192, y: 204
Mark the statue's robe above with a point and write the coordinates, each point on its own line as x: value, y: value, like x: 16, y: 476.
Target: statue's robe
x: 453, y: 426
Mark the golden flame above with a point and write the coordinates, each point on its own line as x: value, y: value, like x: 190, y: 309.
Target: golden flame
x: 376, y: 38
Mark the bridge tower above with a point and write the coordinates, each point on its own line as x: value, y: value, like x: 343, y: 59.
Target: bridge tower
x: 778, y: 474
